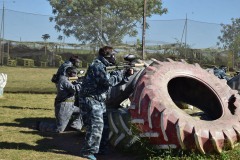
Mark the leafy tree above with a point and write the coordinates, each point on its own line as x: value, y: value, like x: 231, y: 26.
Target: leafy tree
x: 231, y: 37
x: 45, y: 37
x: 230, y: 32
x: 60, y: 38
x: 101, y: 21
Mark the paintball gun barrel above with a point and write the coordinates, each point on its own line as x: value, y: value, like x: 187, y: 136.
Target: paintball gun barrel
x: 130, y: 58
x: 72, y: 79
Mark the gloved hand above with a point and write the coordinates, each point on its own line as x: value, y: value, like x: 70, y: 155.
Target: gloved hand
x: 74, y: 83
x: 129, y: 72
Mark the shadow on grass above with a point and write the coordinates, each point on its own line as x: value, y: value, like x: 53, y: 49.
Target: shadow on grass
x: 70, y: 142
x: 17, y: 107
x: 67, y: 143
x: 28, y: 122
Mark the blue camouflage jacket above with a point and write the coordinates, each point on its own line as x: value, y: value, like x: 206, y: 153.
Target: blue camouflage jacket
x: 221, y: 74
x: 65, y: 90
x: 97, y: 80
x: 62, y: 69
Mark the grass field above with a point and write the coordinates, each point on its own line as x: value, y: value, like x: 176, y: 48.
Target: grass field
x: 18, y: 139
x: 20, y: 109
x: 29, y: 80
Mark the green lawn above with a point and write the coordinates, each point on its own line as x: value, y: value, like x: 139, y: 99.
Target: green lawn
x: 29, y: 80
x: 19, y: 112
x: 18, y: 138
x: 20, y: 109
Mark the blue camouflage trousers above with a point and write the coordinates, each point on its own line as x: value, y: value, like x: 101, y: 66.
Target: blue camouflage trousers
x: 96, y: 123
x: 63, y: 113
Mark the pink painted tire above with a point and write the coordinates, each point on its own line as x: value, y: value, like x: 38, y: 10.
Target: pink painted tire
x: 155, y: 112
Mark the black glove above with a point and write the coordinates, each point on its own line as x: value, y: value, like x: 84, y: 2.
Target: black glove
x: 74, y: 83
x: 129, y: 72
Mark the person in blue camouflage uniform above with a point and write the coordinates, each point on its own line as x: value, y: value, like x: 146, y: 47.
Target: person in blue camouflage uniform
x: 64, y: 105
x: 72, y: 62
x: 95, y: 86
x: 221, y: 72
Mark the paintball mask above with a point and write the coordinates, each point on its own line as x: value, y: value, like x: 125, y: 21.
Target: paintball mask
x: 71, y: 71
x: 108, y: 54
x: 111, y: 58
x: 76, y: 63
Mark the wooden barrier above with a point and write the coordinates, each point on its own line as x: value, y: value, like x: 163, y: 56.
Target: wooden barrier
x: 12, y: 62
x: 43, y: 64
x: 25, y: 62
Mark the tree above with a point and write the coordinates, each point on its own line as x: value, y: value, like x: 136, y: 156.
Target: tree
x: 60, y: 38
x: 45, y: 37
x: 231, y: 37
x: 230, y: 34
x: 101, y: 21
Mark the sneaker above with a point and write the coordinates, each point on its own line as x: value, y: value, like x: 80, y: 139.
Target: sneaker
x: 89, y: 156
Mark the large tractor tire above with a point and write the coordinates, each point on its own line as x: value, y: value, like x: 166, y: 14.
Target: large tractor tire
x: 119, y: 93
x: 121, y: 135
x: 157, y: 113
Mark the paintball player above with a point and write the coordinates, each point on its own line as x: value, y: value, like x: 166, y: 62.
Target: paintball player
x: 64, y: 104
x: 221, y: 72
x: 95, y: 86
x: 72, y: 62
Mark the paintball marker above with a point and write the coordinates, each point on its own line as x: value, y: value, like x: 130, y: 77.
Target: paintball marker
x: 72, y: 79
x: 130, y: 58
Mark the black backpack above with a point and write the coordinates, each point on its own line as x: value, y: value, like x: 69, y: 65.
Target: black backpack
x: 55, y: 78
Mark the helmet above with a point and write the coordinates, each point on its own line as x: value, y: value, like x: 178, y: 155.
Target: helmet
x: 108, y: 54
x: 105, y: 51
x: 75, y: 60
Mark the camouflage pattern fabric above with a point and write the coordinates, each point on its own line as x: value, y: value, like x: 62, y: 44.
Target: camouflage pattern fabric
x: 65, y: 89
x: 61, y: 71
x: 221, y: 74
x: 63, y: 67
x: 63, y: 113
x: 64, y: 108
x: 234, y: 83
x: 93, y: 120
x: 95, y: 86
x: 105, y: 134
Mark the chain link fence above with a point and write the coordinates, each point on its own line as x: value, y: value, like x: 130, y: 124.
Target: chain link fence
x: 21, y: 38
